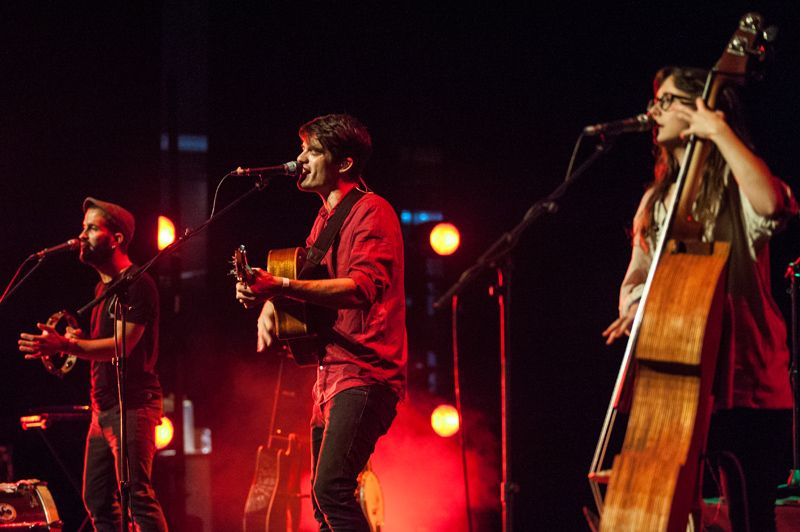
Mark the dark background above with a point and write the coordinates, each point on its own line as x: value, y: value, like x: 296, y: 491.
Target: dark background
x: 474, y: 112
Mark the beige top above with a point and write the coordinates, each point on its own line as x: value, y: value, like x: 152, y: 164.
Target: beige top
x: 752, y: 370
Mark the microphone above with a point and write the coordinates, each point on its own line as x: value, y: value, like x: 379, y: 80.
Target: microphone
x: 636, y: 124
x: 69, y: 245
x: 290, y: 168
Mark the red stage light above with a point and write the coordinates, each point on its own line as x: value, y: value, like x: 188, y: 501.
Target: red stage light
x: 166, y: 232
x: 445, y: 238
x: 444, y: 420
x: 165, y: 431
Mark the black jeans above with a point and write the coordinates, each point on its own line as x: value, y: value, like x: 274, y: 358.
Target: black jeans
x: 100, y: 480
x: 352, y: 422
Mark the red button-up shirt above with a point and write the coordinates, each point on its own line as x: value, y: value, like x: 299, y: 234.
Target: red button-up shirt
x: 369, y: 343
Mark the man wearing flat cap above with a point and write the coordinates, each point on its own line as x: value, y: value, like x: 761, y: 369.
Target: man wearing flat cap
x: 107, y: 232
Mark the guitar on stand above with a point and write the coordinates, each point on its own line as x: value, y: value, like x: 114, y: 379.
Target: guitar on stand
x: 273, y: 501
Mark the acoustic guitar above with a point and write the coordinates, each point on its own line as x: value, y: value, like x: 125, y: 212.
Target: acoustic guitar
x: 275, y: 497
x: 296, y: 323
x: 273, y: 501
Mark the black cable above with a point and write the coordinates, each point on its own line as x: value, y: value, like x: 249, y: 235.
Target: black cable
x: 573, y: 157
x: 216, y: 193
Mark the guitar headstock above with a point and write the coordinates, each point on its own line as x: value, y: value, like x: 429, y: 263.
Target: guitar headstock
x: 241, y: 270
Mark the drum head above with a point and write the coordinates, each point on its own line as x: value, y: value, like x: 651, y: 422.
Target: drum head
x: 28, y: 505
x: 370, y: 497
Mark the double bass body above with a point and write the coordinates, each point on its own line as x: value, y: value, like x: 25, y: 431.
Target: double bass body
x: 653, y: 481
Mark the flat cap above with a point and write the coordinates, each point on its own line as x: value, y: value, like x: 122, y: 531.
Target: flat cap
x: 121, y: 217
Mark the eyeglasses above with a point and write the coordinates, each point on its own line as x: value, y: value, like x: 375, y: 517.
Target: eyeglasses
x: 665, y: 101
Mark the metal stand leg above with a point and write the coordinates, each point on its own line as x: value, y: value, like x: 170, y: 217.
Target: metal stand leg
x: 793, y: 483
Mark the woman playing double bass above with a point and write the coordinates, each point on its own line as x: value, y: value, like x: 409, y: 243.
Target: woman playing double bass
x: 741, y: 202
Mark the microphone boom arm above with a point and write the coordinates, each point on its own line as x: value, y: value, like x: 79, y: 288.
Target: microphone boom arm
x: 506, y: 243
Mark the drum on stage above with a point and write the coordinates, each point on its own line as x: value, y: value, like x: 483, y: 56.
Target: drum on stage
x: 27, y: 505
x: 370, y: 497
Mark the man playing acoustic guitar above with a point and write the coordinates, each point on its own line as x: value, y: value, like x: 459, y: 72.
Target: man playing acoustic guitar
x: 362, y: 365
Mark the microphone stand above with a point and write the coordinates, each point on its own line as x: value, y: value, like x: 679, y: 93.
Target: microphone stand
x: 792, y: 273
x: 119, y: 289
x: 41, y: 255
x: 498, y: 257
x: 11, y: 288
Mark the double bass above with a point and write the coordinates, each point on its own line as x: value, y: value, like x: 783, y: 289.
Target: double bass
x: 669, y: 364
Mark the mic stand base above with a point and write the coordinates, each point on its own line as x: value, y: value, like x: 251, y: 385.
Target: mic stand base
x: 792, y: 486
x: 789, y: 493
x: 120, y: 361
x: 508, y: 488
x: 498, y: 257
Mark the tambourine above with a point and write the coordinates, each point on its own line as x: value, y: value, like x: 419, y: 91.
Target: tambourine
x: 59, y: 364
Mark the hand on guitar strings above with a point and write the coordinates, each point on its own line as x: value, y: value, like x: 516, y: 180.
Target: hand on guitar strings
x: 621, y: 326
x: 264, y: 286
x: 49, y: 342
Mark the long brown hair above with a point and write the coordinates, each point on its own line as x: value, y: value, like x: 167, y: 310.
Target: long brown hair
x: 666, y: 169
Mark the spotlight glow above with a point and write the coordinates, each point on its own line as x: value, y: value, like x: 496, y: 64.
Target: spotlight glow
x: 166, y: 232
x: 444, y: 420
x: 445, y: 238
x: 164, y: 433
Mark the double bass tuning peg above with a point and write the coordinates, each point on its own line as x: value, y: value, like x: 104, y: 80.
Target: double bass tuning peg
x: 762, y: 52
x: 753, y: 22
x: 770, y: 34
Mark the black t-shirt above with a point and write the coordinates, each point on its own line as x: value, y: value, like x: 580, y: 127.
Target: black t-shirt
x: 142, y: 384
